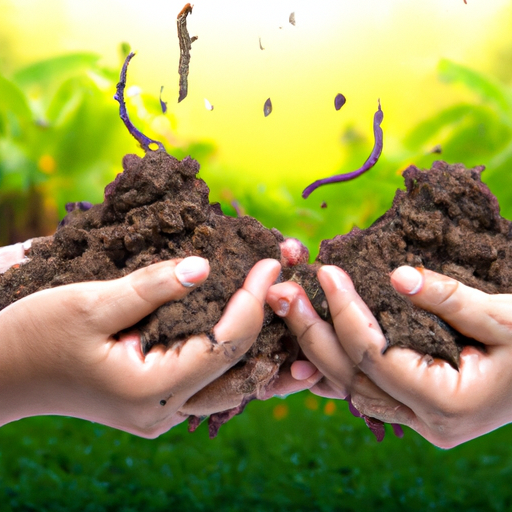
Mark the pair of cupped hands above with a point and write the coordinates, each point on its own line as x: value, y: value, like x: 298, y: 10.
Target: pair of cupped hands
x: 60, y: 355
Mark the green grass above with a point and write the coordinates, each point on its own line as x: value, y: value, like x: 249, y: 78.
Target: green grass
x: 305, y: 461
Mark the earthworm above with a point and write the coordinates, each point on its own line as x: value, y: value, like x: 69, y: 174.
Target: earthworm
x: 370, y: 162
x: 144, y: 141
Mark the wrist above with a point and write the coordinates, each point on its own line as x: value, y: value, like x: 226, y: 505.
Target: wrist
x: 26, y: 382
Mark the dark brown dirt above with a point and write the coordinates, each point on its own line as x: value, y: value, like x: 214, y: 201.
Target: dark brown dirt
x: 447, y: 221
x: 157, y: 210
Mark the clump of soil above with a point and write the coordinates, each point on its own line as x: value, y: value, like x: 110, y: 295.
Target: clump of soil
x: 157, y: 209
x: 447, y: 221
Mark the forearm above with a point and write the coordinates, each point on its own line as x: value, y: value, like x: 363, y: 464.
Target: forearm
x: 19, y: 387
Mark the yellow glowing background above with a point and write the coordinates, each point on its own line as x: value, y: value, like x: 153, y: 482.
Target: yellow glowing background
x: 366, y: 49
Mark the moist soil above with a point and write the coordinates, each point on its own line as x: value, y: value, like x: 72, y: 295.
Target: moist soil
x: 446, y: 220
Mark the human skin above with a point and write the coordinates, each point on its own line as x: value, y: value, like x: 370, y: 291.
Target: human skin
x: 62, y: 355
x: 444, y: 405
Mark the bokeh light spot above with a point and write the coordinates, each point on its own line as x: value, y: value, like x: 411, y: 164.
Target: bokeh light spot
x: 280, y: 411
x: 47, y: 164
x: 329, y: 408
x: 311, y: 403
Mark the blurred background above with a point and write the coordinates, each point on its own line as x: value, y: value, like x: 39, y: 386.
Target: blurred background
x: 442, y: 70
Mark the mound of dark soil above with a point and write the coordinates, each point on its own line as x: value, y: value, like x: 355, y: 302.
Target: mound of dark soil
x: 447, y: 221
x: 157, y: 209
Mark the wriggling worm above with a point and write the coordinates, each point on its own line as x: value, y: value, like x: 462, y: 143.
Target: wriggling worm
x: 144, y: 141
x: 370, y: 162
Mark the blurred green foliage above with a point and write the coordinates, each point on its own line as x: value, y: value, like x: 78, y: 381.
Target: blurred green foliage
x: 61, y: 140
x: 473, y: 133
x: 476, y: 133
x: 299, y: 454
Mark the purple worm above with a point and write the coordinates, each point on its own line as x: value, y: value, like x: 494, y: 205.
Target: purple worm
x: 375, y: 425
x: 144, y: 141
x: 372, y: 159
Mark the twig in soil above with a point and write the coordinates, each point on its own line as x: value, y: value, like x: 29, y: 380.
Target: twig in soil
x: 185, y: 47
x: 370, y: 162
x: 144, y: 141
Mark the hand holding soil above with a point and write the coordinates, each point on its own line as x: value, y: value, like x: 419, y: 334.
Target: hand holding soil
x: 157, y: 210
x: 398, y: 385
x: 63, y: 357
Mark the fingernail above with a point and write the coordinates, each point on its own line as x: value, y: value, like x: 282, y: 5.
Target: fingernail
x: 303, y: 370
x: 407, y: 280
x: 283, y: 307
x: 27, y: 245
x: 190, y: 270
x: 335, y: 276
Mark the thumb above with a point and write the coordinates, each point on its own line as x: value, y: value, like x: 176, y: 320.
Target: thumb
x: 468, y: 310
x: 121, y: 303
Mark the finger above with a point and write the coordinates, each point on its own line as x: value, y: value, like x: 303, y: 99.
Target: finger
x: 328, y: 389
x: 303, y: 370
x: 396, y: 371
x: 316, y: 337
x: 437, y: 394
x: 357, y: 329
x: 287, y: 384
x: 243, y: 317
x: 13, y: 254
x: 472, y: 312
x: 198, y: 361
x: 372, y: 401
x: 118, y: 304
x: 171, y: 376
